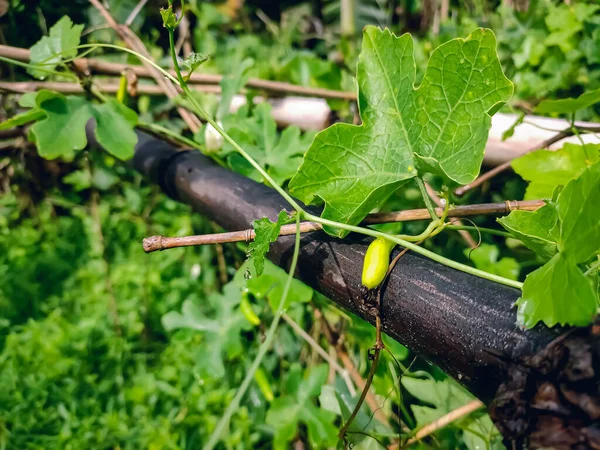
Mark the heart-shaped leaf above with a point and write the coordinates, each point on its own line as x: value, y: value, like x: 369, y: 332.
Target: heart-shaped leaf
x: 439, y: 128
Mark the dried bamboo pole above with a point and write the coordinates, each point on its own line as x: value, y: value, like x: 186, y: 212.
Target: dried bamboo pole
x: 156, y: 243
x: 110, y: 68
x: 21, y: 87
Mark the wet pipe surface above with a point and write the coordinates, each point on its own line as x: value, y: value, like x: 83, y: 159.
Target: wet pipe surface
x: 462, y: 323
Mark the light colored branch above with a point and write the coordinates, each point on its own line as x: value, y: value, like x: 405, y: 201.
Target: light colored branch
x: 135, y: 11
x: 20, y: 87
x: 322, y: 353
x: 502, y: 167
x: 443, y: 421
x: 347, y: 362
x: 133, y: 42
x: 156, y: 243
x: 110, y: 68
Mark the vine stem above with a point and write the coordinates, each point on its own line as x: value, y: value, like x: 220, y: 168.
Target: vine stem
x: 426, y: 198
x: 222, y: 132
x: 369, y: 381
x: 417, y: 249
x: 262, y: 351
x: 33, y: 66
x: 480, y: 230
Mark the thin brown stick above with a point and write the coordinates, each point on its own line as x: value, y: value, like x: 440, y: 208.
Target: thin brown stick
x: 438, y: 201
x: 20, y: 87
x: 135, y: 11
x: 443, y: 421
x: 348, y: 364
x: 156, y: 243
x: 321, y: 351
x: 134, y: 43
x: 110, y: 68
x: 502, y: 167
x: 376, y: 355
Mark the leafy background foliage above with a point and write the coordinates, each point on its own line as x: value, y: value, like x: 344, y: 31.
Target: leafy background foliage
x: 103, y: 346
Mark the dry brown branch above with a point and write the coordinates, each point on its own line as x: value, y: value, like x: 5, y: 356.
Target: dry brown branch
x: 360, y: 382
x: 502, y: 167
x: 321, y: 351
x: 110, y: 68
x: 155, y: 243
x: 20, y: 87
x: 134, y: 43
x: 135, y: 11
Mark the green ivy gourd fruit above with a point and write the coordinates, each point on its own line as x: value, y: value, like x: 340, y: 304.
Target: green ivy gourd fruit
x: 247, y: 310
x: 376, y: 262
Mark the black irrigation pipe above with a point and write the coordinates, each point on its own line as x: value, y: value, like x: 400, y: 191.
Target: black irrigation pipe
x: 458, y: 321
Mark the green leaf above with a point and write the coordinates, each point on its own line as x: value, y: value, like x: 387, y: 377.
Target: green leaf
x: 283, y: 159
x: 569, y: 105
x: 115, y: 124
x: 286, y: 413
x: 557, y: 293
x: 27, y: 100
x: 190, y: 317
x: 446, y: 396
x: 271, y: 283
x: 536, y: 229
x: 546, y: 169
x: 169, y: 18
x: 192, y: 62
x: 62, y: 130
x: 329, y: 400
x: 266, y: 233
x: 50, y: 50
x: 439, y: 128
x: 578, y: 210
x: 475, y: 430
x: 231, y: 85
x: 279, y: 155
x: 510, y: 131
x: 21, y: 119
x: 485, y: 257
x: 220, y: 321
x: 443, y: 396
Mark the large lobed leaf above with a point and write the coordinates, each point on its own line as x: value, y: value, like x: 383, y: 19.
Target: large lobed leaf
x: 62, y: 127
x: 266, y: 233
x: 439, y: 128
x: 287, y: 412
x: 567, y: 233
x: 279, y: 154
x: 547, y: 169
x: 557, y: 292
x: 50, y: 50
x: 569, y: 105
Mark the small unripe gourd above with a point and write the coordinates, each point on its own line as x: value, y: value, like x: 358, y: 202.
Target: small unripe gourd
x: 376, y: 263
